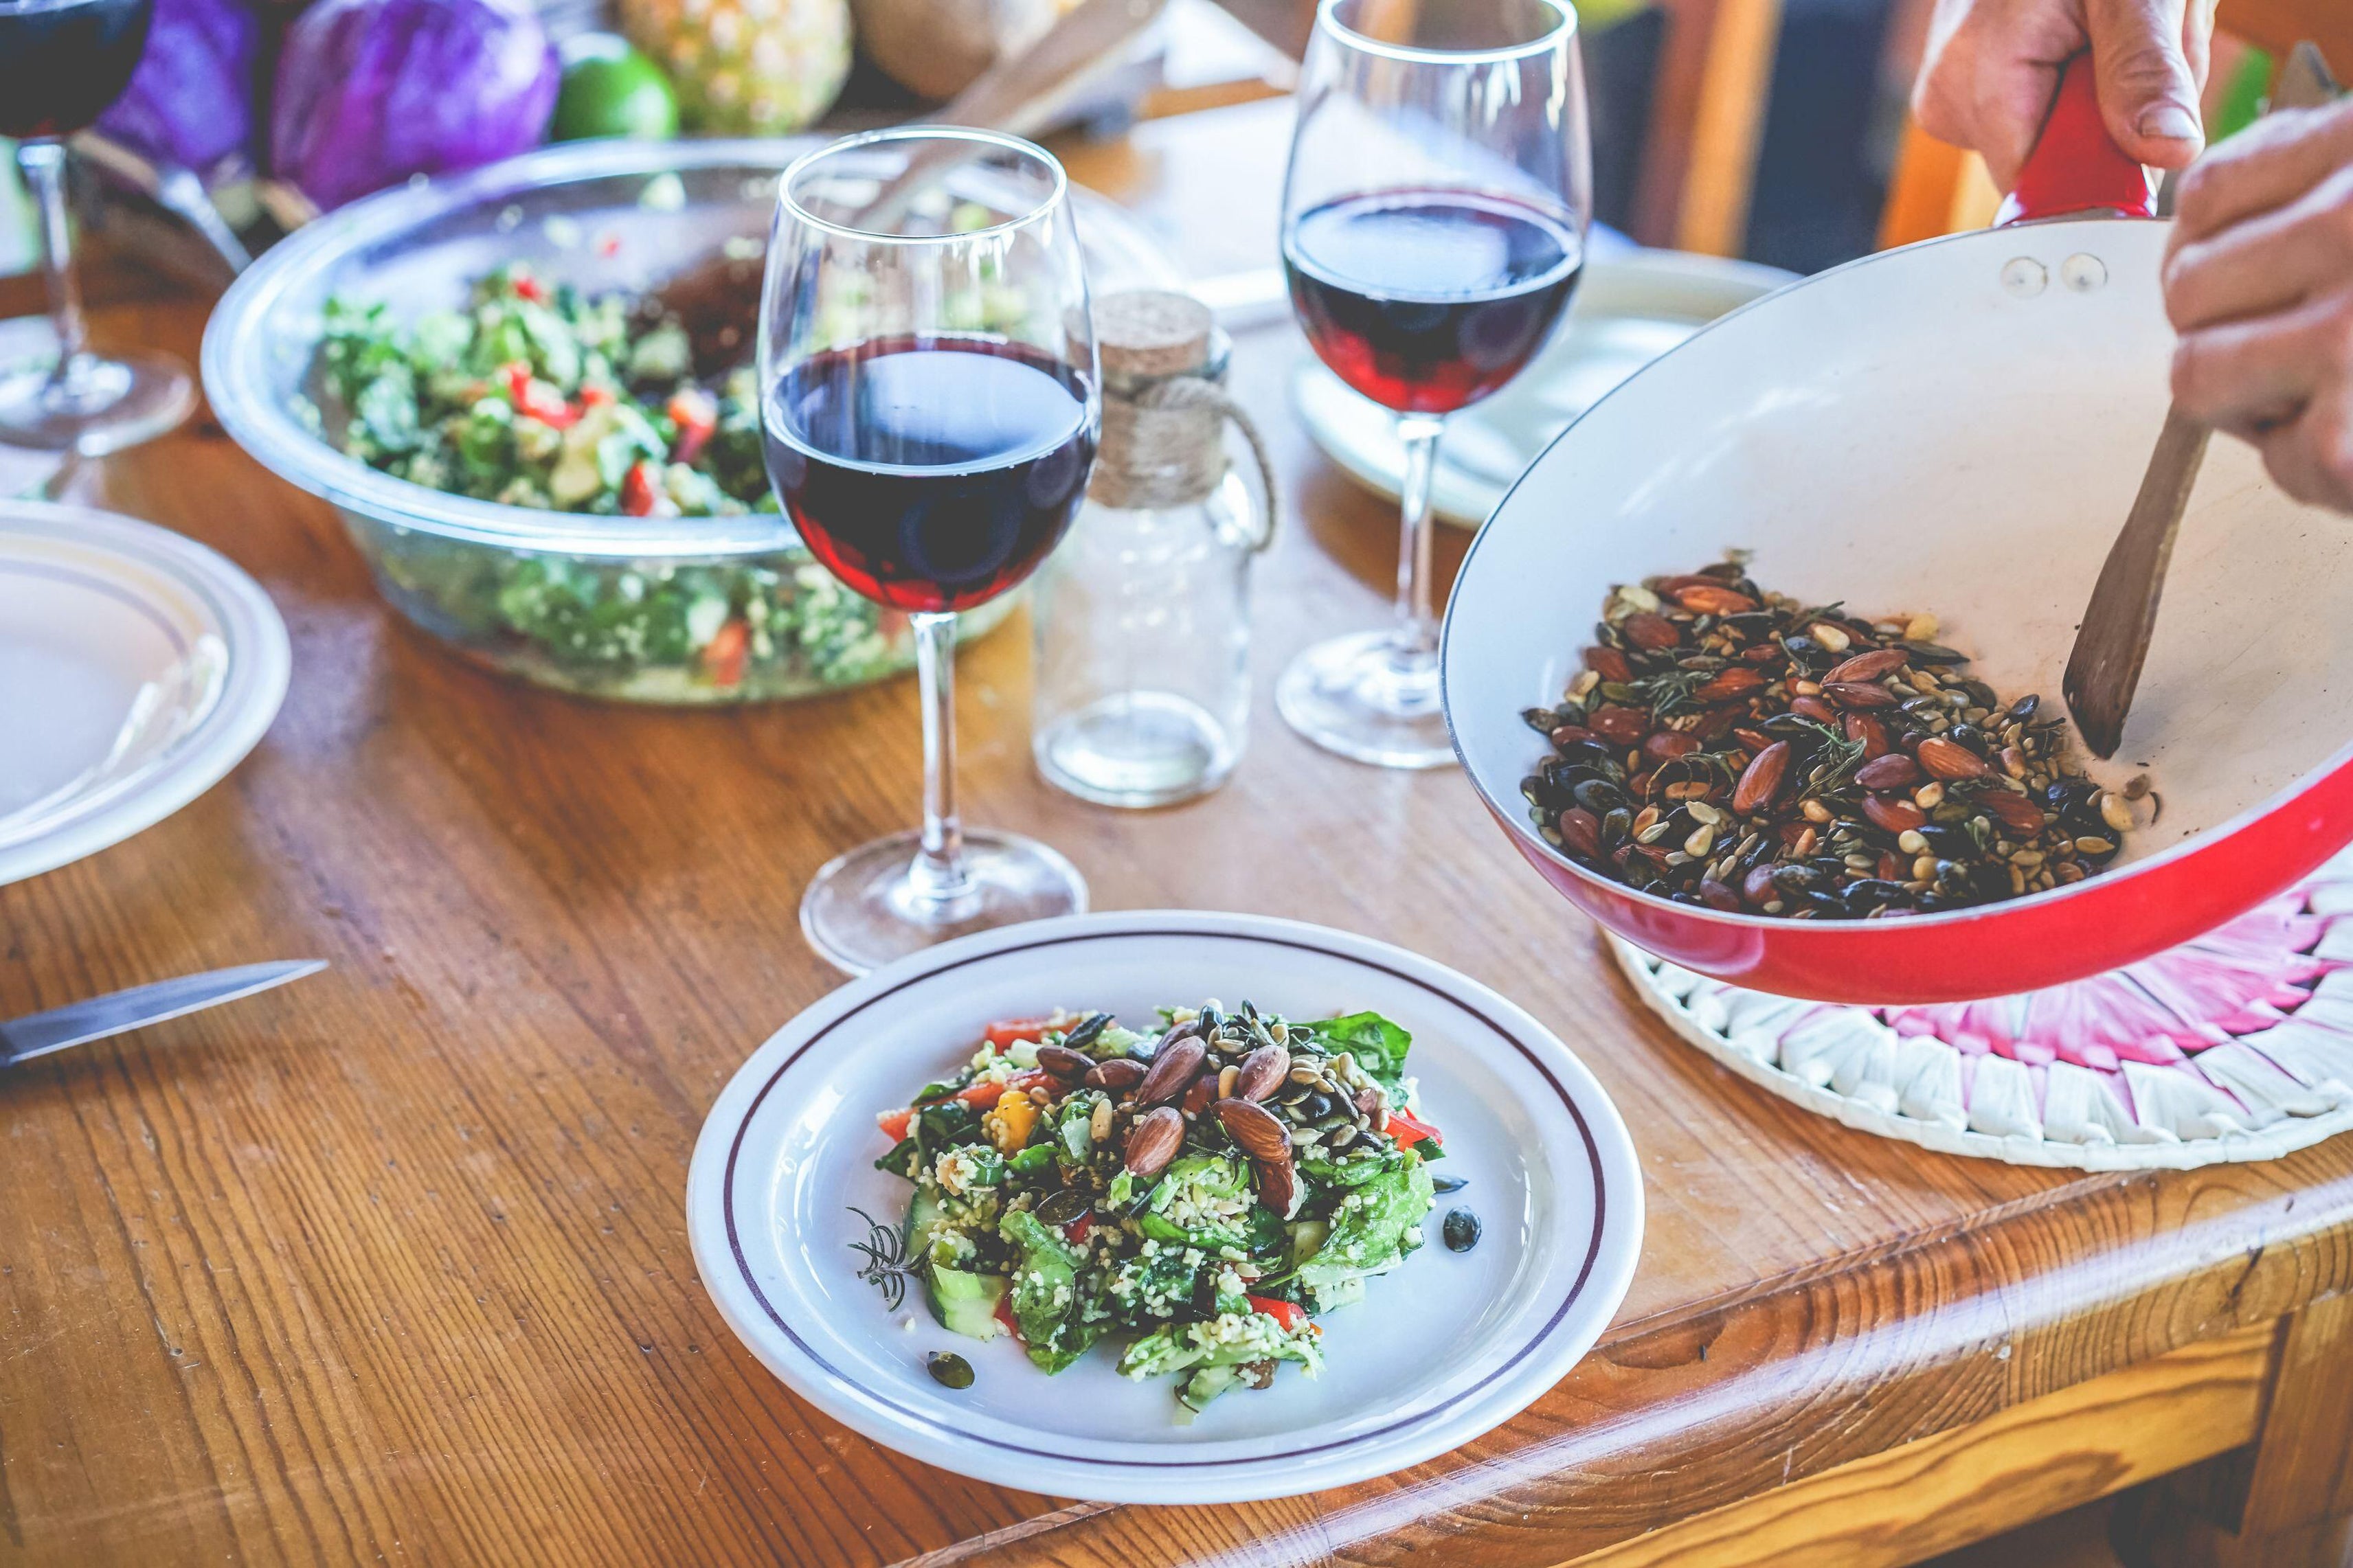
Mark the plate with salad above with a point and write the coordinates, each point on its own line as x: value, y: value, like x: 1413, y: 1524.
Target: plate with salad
x: 1166, y: 1207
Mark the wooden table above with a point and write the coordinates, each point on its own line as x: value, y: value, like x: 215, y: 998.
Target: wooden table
x: 390, y: 1265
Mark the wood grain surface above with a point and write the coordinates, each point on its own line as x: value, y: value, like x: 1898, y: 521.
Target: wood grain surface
x: 2029, y: 1462
x: 390, y: 1265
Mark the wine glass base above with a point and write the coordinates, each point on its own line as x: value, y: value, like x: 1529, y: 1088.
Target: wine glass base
x: 107, y: 404
x: 1356, y: 696
x: 861, y: 910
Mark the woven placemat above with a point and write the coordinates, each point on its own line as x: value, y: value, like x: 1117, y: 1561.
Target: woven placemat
x: 2237, y: 1046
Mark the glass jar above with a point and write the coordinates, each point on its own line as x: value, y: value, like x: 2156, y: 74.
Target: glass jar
x: 1142, y: 618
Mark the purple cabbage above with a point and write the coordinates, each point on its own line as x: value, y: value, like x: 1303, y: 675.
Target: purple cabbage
x: 373, y: 92
x: 191, y: 100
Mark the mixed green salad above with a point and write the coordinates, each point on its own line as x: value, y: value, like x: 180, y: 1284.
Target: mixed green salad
x: 1204, y: 1192
x: 536, y: 394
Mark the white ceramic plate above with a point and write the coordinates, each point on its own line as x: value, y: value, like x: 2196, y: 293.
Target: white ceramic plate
x: 136, y: 668
x: 1441, y: 1351
x: 1627, y: 311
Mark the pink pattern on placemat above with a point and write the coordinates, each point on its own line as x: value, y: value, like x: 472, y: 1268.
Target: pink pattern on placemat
x: 2239, y: 978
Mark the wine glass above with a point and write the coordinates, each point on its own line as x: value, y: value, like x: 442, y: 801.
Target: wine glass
x: 62, y: 63
x: 930, y: 413
x: 1433, y: 227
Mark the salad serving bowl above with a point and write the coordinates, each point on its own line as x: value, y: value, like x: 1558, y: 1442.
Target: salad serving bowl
x: 1955, y: 428
x: 604, y: 605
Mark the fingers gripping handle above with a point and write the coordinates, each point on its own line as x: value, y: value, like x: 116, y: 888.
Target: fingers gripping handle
x: 2076, y: 166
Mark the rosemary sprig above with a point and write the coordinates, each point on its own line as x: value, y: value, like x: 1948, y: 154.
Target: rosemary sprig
x: 888, y: 1267
x: 1836, y: 761
x: 1669, y: 691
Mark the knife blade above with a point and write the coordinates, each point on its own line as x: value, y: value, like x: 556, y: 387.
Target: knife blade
x: 78, y: 1023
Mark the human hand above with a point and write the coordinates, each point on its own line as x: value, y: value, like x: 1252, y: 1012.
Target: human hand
x: 2259, y: 283
x: 1992, y: 68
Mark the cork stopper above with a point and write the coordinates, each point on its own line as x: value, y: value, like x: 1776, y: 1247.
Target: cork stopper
x: 1151, y: 332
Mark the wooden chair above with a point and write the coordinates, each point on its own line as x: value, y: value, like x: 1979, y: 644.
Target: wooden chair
x: 1707, y: 117
x: 1939, y: 188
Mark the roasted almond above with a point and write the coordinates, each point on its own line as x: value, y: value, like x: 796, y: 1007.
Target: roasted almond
x: 1727, y: 684
x: 1256, y: 1128
x: 1623, y: 725
x: 1858, y: 694
x: 1172, y: 1071
x: 1760, y: 781
x: 1278, y: 1185
x: 1264, y: 1069
x: 1669, y: 744
x: 1064, y: 1062
x: 1757, y: 885
x: 1893, y: 814
x: 1871, y: 666
x: 1153, y: 1142
x: 1580, y: 830
x: 2014, y: 812
x: 1951, y: 760
x: 1813, y: 708
x: 1714, y: 599
x: 1608, y: 663
x: 1893, y: 771
x: 1646, y: 630
x: 1117, y: 1075
x: 1870, y: 732
x: 1197, y: 1099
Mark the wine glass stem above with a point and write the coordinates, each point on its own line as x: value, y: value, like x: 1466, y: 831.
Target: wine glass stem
x: 44, y: 165
x: 1416, y: 633
x: 938, y: 877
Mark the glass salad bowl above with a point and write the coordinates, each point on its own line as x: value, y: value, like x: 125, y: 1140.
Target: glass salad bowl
x: 645, y: 609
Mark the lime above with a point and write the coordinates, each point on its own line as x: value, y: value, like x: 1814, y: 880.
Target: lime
x: 610, y: 89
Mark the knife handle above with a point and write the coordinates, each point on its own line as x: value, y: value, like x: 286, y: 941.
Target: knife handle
x: 2076, y: 166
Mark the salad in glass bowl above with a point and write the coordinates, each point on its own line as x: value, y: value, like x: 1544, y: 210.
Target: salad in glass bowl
x: 1202, y: 1192
x: 474, y: 372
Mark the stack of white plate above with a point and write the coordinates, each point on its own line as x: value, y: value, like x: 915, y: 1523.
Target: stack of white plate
x: 137, y: 668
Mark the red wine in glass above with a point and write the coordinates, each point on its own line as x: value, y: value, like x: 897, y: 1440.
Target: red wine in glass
x: 1428, y: 301
x: 931, y: 473
x: 63, y: 61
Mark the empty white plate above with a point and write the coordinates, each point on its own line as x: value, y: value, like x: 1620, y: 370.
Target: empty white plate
x: 1627, y: 311
x: 136, y: 668
x: 1440, y: 1351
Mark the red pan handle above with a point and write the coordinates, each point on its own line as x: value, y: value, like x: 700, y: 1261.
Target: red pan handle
x: 2076, y: 167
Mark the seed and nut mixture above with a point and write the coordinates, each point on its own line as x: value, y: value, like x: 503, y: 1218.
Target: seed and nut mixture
x: 1737, y: 749
x: 1209, y: 1187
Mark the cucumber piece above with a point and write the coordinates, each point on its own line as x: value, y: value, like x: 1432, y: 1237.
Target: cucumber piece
x: 1194, y: 1394
x: 923, y: 1213
x: 965, y: 1303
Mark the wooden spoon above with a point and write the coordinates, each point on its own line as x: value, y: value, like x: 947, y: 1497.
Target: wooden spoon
x: 2112, y: 644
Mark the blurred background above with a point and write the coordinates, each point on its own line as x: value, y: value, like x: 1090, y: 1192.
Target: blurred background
x: 1770, y: 129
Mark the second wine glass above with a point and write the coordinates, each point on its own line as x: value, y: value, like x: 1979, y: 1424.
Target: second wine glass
x: 62, y: 62
x: 930, y: 417
x: 1433, y: 229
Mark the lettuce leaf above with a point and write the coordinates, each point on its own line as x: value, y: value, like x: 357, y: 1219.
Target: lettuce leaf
x: 1046, y: 1293
x: 1372, y: 1231
x: 1378, y: 1045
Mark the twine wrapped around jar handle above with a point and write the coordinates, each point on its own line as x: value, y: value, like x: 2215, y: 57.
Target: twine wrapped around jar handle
x: 1165, y: 411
